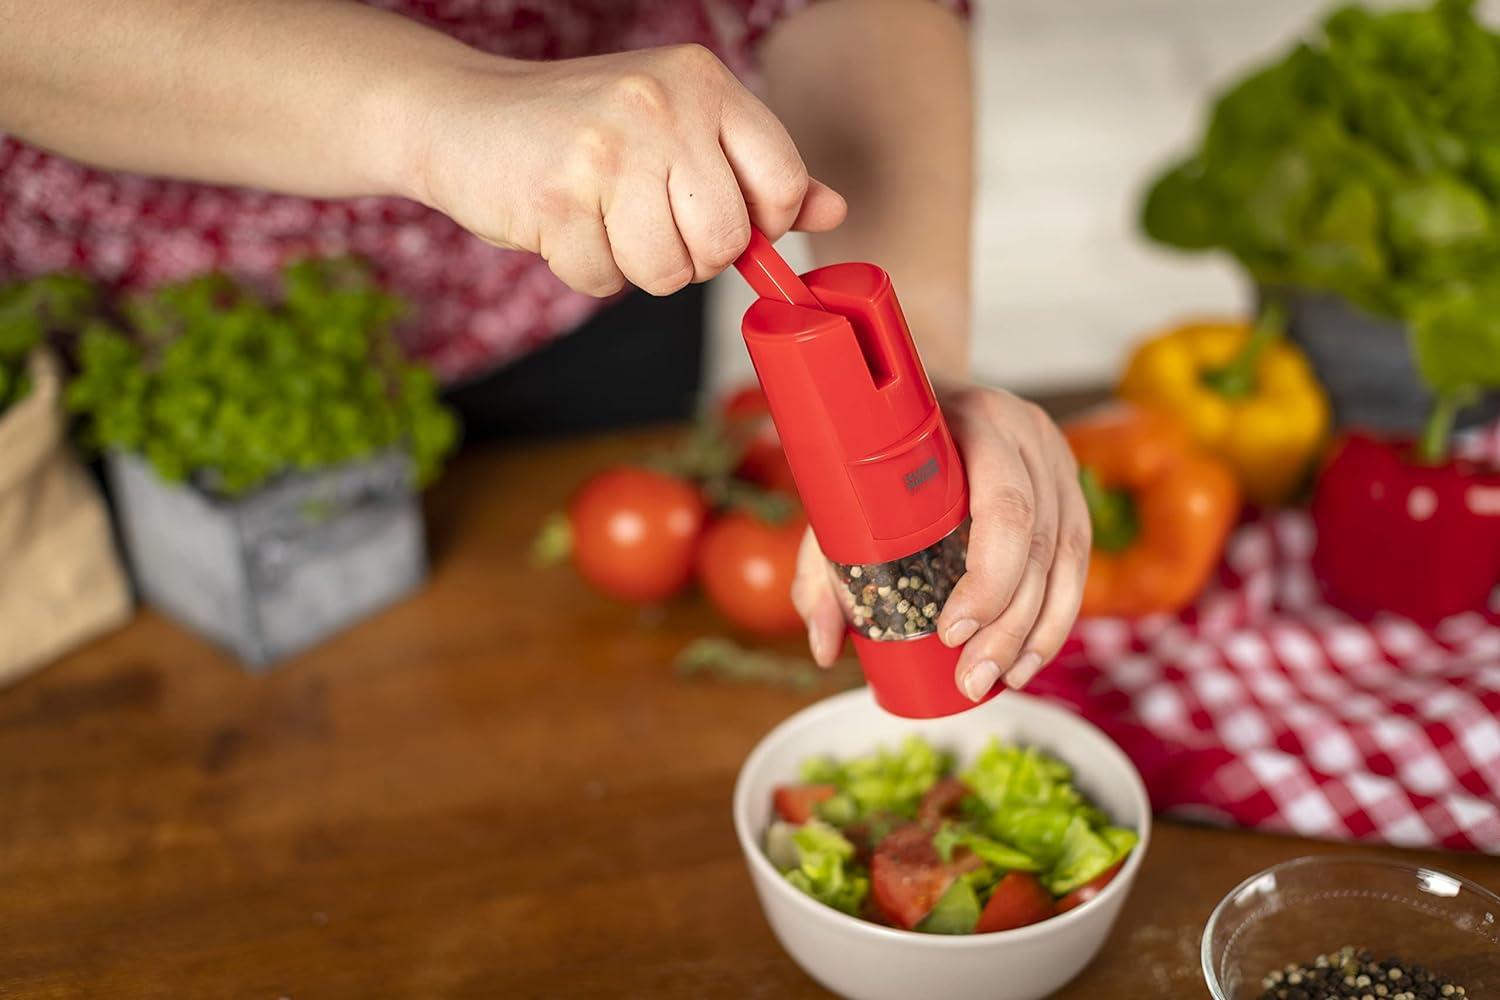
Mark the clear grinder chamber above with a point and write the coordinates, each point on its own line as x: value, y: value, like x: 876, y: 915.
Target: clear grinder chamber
x: 902, y: 598
x: 875, y: 465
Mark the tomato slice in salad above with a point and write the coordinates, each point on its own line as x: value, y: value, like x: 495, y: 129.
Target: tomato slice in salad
x: 941, y: 801
x: 794, y: 803
x: 1089, y: 889
x: 1019, y: 899
x: 908, y: 877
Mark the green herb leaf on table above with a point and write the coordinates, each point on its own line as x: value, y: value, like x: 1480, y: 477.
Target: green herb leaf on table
x: 726, y: 659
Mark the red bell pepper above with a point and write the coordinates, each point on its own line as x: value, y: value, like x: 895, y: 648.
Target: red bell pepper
x: 1399, y: 534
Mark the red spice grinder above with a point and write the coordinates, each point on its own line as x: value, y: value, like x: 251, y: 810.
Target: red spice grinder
x: 877, y: 470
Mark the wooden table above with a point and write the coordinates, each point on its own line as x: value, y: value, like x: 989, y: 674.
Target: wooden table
x: 495, y: 789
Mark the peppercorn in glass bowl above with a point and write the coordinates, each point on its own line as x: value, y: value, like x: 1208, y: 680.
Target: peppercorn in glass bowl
x: 1353, y: 926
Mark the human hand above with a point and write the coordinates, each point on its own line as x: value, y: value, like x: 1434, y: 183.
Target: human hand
x: 1028, y: 548
x: 647, y: 166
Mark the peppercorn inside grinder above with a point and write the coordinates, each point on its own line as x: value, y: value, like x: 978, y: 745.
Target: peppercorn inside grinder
x: 874, y: 463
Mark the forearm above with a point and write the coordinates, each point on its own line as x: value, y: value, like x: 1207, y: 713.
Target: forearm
x: 877, y: 95
x: 297, y: 96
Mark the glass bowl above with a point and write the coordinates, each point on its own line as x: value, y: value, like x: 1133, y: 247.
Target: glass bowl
x: 1297, y: 910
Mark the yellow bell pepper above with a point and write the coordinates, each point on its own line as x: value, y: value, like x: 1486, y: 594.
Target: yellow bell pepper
x: 1243, y: 392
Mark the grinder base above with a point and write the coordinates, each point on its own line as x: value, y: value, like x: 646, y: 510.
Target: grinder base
x: 913, y: 678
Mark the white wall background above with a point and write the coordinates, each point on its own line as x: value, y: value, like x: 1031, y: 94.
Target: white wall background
x: 1079, y: 103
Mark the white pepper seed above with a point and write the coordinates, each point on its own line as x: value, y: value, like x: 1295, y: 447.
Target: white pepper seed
x: 874, y: 631
x: 856, y: 571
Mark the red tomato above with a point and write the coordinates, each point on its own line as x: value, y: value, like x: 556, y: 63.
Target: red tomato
x: 907, y: 876
x: 745, y: 403
x: 635, y: 532
x: 941, y: 801
x: 764, y: 462
x: 1019, y: 899
x: 794, y: 803
x: 1089, y: 889
x: 746, y: 566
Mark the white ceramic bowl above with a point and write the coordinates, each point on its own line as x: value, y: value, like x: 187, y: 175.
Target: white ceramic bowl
x: 865, y: 961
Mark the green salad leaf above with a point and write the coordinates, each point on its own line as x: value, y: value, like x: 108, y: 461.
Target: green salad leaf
x: 1005, y: 776
x: 1086, y: 854
x: 957, y: 912
x: 993, y: 852
x: 887, y: 781
x: 1365, y: 162
x: 1024, y: 814
x: 822, y: 870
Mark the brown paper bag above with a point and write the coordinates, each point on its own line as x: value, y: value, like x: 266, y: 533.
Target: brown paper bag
x: 60, y: 580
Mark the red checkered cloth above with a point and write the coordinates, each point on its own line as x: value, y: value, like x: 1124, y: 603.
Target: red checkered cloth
x: 1263, y: 707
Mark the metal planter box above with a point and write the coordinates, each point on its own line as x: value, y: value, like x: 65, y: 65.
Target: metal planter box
x: 280, y: 569
x: 1365, y: 364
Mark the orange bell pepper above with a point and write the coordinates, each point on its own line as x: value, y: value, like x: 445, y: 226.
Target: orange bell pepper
x: 1161, y: 510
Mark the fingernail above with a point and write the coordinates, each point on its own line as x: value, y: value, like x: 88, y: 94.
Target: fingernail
x: 815, y: 643
x: 960, y: 631
x: 1023, y: 670
x: 980, y: 678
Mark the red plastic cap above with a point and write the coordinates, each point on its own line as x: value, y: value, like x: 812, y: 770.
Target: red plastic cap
x: 914, y: 678
x: 874, y: 462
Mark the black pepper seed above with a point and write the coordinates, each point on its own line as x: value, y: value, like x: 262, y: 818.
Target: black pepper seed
x: 1352, y: 973
x: 902, y: 599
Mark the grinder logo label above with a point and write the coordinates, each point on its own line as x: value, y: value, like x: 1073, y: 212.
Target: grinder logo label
x: 916, y: 477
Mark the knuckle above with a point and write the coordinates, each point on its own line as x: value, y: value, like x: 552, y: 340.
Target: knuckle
x: 1012, y: 505
x: 1039, y: 554
x: 666, y: 284
x: 588, y: 277
x: 997, y: 406
x: 557, y: 200
x: 594, y: 150
x: 605, y: 286
x: 726, y: 241
x: 1006, y: 635
x: 788, y: 187
x: 1076, y: 544
x: 695, y: 59
x: 642, y: 93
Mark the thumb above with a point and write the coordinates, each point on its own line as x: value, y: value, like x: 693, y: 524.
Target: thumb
x: 823, y: 209
x: 818, y: 604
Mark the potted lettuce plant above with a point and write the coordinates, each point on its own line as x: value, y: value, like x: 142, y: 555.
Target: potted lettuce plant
x: 1358, y: 179
x: 60, y: 579
x: 265, y: 454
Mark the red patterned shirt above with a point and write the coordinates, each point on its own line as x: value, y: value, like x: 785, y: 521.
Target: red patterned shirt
x: 476, y: 306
